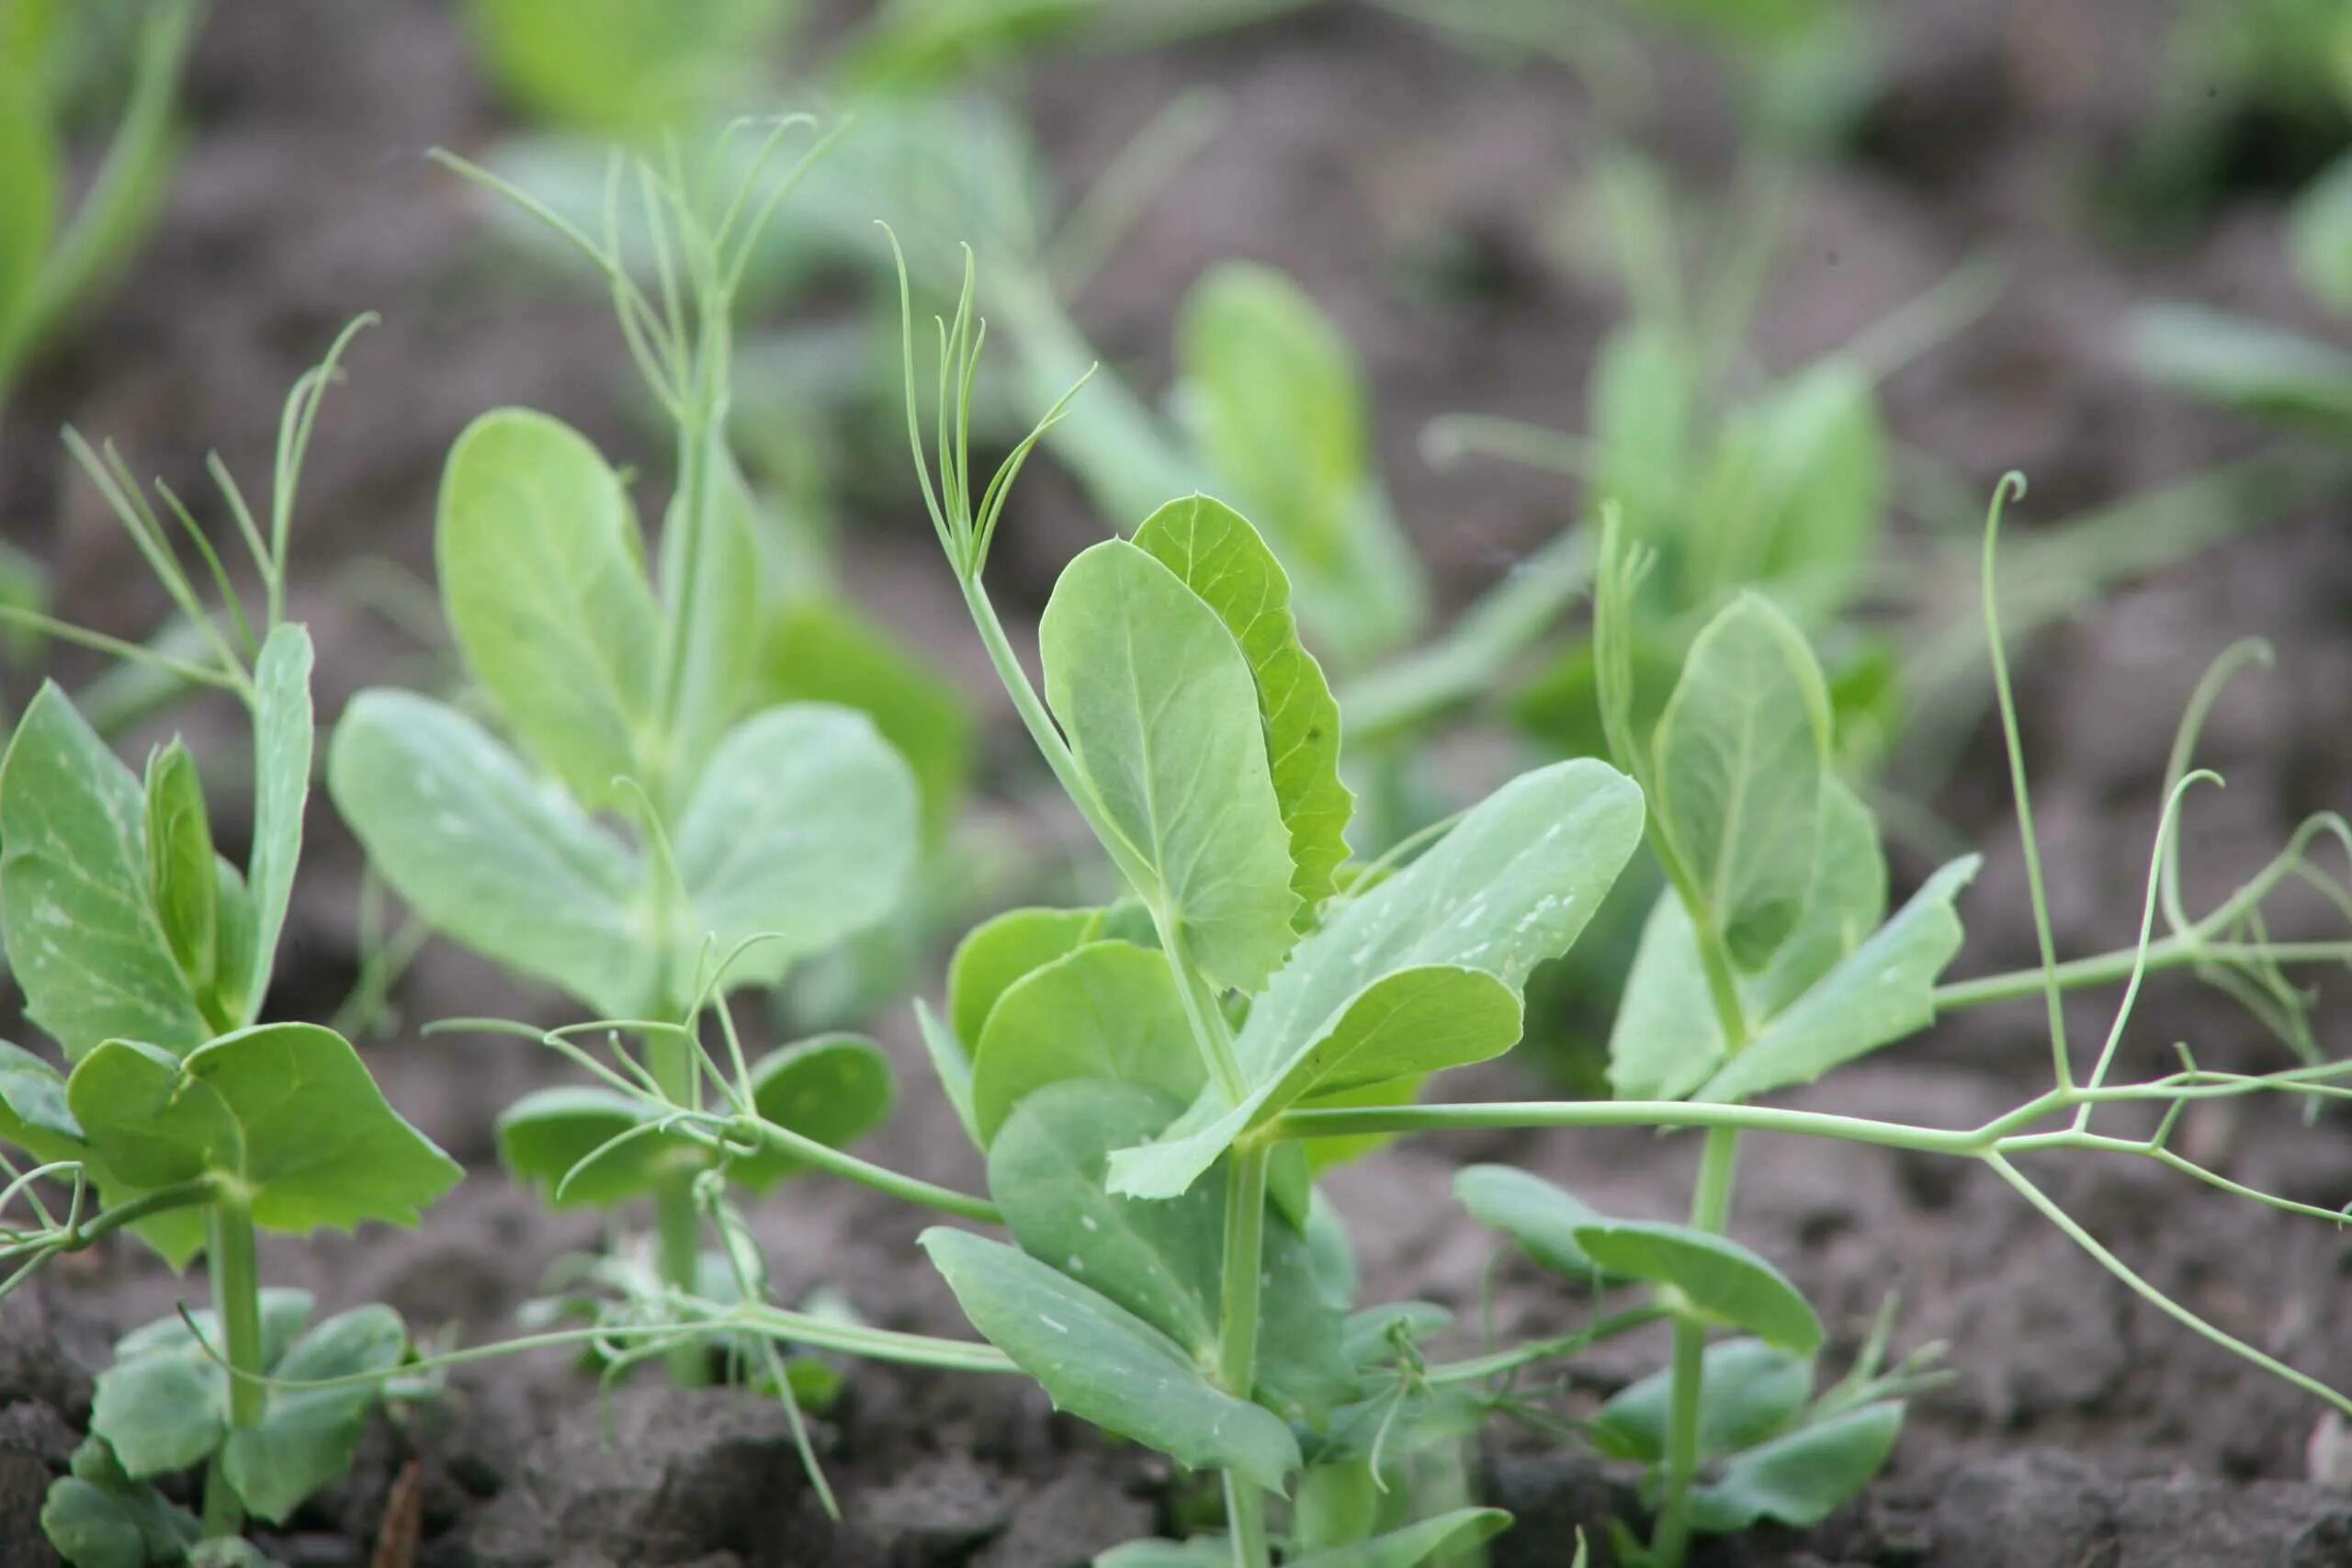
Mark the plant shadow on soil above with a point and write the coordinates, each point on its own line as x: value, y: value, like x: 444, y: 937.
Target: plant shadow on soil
x: 2083, y: 1428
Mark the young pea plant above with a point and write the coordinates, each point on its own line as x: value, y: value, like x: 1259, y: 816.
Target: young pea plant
x: 757, y: 838
x: 50, y: 263
x: 182, y: 1119
x: 1172, y: 1277
x: 1770, y: 961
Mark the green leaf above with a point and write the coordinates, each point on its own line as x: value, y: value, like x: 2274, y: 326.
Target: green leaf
x: 543, y: 576
x: 1881, y: 991
x: 306, y: 1438
x: 1812, y: 454
x: 287, y: 1111
x: 1199, y: 1551
x: 1280, y: 409
x: 544, y: 1136
x: 33, y: 1112
x: 1718, y: 1279
x: 835, y: 1088
x: 1002, y: 950
x: 1644, y: 398
x: 284, y: 1311
x: 1667, y: 1039
x: 1415, y: 1544
x: 283, y: 728
x: 2246, y: 364
x: 1741, y: 750
x: 1220, y: 557
x: 1161, y: 711
x: 181, y: 877
x: 1161, y: 1261
x: 161, y: 1413
x: 1422, y: 972
x: 2319, y: 235
x: 1800, y: 1479
x: 615, y: 68
x: 1542, y: 1218
x: 99, y: 1518
x: 490, y: 855
x: 1748, y: 1391
x: 823, y: 650
x: 1110, y: 1009
x: 81, y: 934
x: 802, y: 831
x: 1103, y: 1364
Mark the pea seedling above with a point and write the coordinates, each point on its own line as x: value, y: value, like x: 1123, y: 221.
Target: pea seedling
x: 50, y: 264
x: 760, y: 837
x: 146, y: 957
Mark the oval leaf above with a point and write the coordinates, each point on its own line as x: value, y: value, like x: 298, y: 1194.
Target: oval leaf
x: 81, y: 934
x: 1416, y: 1543
x: 490, y: 855
x: 1748, y: 1391
x: 803, y: 831
x: 1220, y: 557
x: 1542, y: 1218
x: 543, y: 576
x: 544, y: 1136
x: 835, y: 1088
x: 1108, y: 1010
x: 283, y: 728
x: 1799, y: 1480
x: 1103, y: 1364
x: 1741, y: 749
x: 1721, y: 1281
x: 1002, y: 950
x: 1161, y: 712
x: 306, y: 1438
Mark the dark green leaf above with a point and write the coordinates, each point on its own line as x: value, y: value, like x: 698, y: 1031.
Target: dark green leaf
x: 306, y: 1438
x: 1542, y: 1218
x: 1161, y: 711
x: 488, y: 854
x: 1002, y: 950
x: 543, y: 576
x: 1415, y: 1544
x: 1103, y: 1364
x: 1220, y: 557
x: 81, y: 934
x: 1798, y: 1480
x: 287, y: 1111
x: 1748, y: 1391
x: 1108, y: 1009
x: 543, y: 1137
x: 1718, y: 1279
x: 99, y: 1517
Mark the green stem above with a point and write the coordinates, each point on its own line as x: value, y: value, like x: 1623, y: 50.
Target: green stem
x: 236, y: 1300
x: 837, y: 1162
x: 1709, y: 1211
x: 2113, y: 968
x: 1647, y: 1113
x: 1245, y: 1225
x: 1497, y: 1363
x: 677, y: 1223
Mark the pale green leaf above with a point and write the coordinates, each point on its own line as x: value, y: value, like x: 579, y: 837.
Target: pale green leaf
x: 2319, y: 234
x: 81, y: 934
x: 951, y: 1064
x: 1816, y: 485
x: 1644, y: 397
x: 1542, y: 1218
x: 543, y: 576
x: 2246, y: 364
x: 1741, y: 750
x: 306, y: 1437
x: 282, y: 745
x: 181, y: 866
x: 1718, y: 1279
x: 490, y: 855
x: 1422, y: 972
x: 544, y: 1136
x: 33, y: 1112
x: 717, y: 595
x: 287, y: 1111
x: 1103, y: 1364
x: 1161, y: 711
x: 1667, y: 1038
x: 1414, y: 1544
x: 1110, y: 1009
x: 821, y: 649
x: 801, y: 833
x: 1881, y: 991
x: 1800, y: 1479
x: 31, y: 163
x: 160, y: 1413
x: 1002, y: 950
x: 99, y: 1518
x: 1221, y: 557
x: 1281, y: 410
x: 618, y: 68
x: 1748, y: 1391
